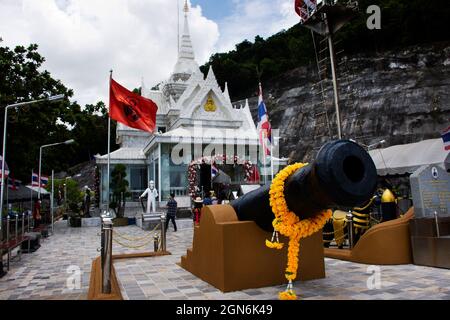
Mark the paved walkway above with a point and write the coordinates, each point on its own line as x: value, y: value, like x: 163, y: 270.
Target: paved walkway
x: 51, y: 273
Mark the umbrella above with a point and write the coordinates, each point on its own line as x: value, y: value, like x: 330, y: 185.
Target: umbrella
x: 222, y: 177
x: 36, y: 189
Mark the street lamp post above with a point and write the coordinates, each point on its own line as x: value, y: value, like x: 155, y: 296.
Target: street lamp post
x: 40, y: 159
x: 2, y: 187
x: 16, y: 105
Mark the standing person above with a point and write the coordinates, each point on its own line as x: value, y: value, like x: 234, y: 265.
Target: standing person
x: 197, y: 211
x: 87, y: 202
x: 207, y: 201
x: 37, y: 214
x: 171, y: 211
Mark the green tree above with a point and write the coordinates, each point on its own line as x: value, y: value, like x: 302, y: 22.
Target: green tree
x: 403, y: 23
x: 22, y: 79
x: 73, y: 195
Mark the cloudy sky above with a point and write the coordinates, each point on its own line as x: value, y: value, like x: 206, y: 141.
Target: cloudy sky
x: 83, y: 39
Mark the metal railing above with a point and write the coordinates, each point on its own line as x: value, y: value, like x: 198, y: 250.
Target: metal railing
x: 106, y: 249
x: 163, y: 232
x: 349, y: 220
x: 106, y: 254
x: 15, y: 235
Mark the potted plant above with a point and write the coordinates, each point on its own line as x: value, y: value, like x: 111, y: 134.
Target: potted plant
x: 120, y: 192
x: 74, y: 215
x: 73, y: 200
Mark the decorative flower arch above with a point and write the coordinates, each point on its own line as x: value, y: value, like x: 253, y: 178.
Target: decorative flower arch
x: 194, y: 166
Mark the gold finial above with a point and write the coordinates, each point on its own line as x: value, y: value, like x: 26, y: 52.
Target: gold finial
x: 186, y: 7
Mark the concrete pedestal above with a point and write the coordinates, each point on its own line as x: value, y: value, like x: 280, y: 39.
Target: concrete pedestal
x: 91, y: 222
x: 148, y: 221
x: 231, y: 255
x: 429, y: 249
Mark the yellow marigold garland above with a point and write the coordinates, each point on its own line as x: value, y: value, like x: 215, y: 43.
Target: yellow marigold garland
x: 288, y: 224
x: 274, y: 245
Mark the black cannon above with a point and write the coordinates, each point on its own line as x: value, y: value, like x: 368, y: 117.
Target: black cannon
x: 343, y: 174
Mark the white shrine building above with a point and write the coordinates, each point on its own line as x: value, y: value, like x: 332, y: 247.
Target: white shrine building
x: 195, y: 118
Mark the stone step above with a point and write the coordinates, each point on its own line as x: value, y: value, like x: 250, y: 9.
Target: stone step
x: 185, y: 262
x: 189, y: 254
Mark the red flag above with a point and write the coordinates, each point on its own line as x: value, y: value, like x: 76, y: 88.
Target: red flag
x: 131, y: 109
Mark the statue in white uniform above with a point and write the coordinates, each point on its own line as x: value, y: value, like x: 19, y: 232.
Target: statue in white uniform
x: 151, y: 194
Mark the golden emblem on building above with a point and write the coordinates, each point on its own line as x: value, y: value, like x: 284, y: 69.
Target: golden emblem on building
x: 210, y: 106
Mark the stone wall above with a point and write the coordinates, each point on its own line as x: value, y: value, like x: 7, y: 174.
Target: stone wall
x: 399, y: 96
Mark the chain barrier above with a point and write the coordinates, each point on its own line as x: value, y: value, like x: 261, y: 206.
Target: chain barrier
x: 131, y: 246
x: 149, y: 237
x: 376, y: 221
x: 138, y: 238
x: 338, y: 239
x: 336, y: 230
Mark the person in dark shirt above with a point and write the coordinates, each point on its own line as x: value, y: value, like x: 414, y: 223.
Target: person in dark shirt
x: 171, y: 211
x: 207, y: 201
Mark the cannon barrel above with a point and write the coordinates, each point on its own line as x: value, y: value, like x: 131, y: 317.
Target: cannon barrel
x: 343, y: 174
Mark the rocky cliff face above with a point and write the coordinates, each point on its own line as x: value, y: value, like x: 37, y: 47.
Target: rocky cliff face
x: 399, y: 96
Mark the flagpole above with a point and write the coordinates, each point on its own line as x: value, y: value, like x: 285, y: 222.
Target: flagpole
x: 109, y: 146
x: 51, y: 201
x: 31, y: 191
x: 271, y: 161
x: 264, y: 155
x: 7, y: 194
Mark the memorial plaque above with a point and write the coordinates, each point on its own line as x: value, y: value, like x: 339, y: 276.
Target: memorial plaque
x: 430, y: 188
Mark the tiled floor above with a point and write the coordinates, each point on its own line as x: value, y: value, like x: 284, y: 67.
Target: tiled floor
x: 52, y: 272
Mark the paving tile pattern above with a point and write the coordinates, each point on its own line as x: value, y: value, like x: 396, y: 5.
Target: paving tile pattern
x: 46, y: 273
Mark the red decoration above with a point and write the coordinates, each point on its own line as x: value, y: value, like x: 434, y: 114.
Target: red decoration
x: 251, y: 171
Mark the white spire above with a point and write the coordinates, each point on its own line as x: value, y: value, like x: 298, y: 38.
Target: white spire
x: 211, y: 77
x: 248, y: 116
x: 143, y: 88
x: 226, y: 92
x: 186, y: 58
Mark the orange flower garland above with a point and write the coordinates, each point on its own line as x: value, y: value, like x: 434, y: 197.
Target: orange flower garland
x: 288, y: 224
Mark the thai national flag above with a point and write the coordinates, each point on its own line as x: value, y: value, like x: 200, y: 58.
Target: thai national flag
x: 264, y: 128
x: 446, y: 138
x: 44, y: 181
x: 6, y: 168
x: 34, y: 180
x: 214, y: 170
x: 14, y: 184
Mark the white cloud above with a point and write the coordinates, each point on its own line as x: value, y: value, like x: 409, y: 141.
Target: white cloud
x: 255, y: 17
x: 82, y: 40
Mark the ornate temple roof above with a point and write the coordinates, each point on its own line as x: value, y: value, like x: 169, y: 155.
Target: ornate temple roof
x: 128, y: 155
x: 186, y: 99
x: 186, y: 63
